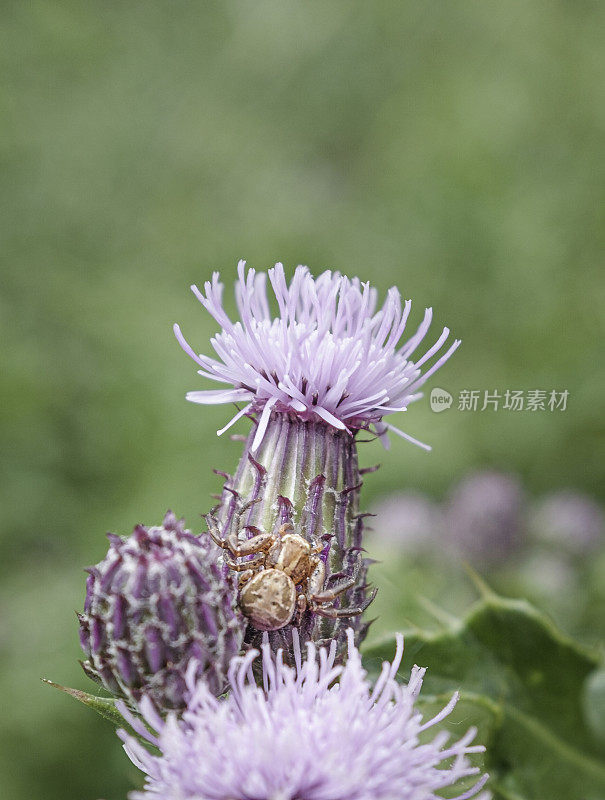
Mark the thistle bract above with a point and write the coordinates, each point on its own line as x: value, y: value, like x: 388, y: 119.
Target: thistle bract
x: 157, y: 600
x: 317, y: 731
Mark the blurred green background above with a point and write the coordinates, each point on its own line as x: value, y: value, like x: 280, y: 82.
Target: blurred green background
x: 455, y: 149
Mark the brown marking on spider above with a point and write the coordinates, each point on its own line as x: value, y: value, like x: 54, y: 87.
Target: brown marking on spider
x: 268, y: 582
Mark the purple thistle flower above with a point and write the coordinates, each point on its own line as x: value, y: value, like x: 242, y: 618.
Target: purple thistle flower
x: 408, y: 521
x: 157, y: 600
x: 483, y: 519
x: 302, y: 735
x: 328, y: 356
x: 570, y: 520
x: 327, y: 366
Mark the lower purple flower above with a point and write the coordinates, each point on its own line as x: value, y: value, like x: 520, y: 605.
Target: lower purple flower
x: 316, y: 732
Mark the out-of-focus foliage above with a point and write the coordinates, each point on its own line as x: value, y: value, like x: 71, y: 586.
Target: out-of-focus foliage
x: 453, y: 149
x: 523, y: 685
x: 555, y: 560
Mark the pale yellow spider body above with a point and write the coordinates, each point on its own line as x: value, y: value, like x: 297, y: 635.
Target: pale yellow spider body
x: 285, y: 576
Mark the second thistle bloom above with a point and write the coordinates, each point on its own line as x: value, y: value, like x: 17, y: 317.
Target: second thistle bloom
x: 317, y: 731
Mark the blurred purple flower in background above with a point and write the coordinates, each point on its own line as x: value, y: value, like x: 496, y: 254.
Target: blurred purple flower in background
x: 302, y: 735
x: 329, y: 356
x: 569, y: 520
x: 483, y: 517
x: 549, y: 577
x: 486, y: 519
x: 408, y: 521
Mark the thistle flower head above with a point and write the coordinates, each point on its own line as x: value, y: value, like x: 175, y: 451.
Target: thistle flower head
x: 318, y: 732
x: 328, y: 355
x: 157, y: 600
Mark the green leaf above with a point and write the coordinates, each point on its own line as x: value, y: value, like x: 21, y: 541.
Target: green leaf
x: 509, y: 658
x: 594, y: 703
x: 104, y: 706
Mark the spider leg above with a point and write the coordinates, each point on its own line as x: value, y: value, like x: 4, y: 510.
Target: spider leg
x: 246, y: 565
x: 286, y: 528
x: 231, y: 544
x: 214, y: 533
x: 317, y: 578
x: 245, y: 576
x: 331, y: 594
x: 274, y: 551
x: 301, y: 607
x: 242, y: 510
x: 334, y: 613
x: 249, y: 505
x: 256, y: 544
x: 318, y: 594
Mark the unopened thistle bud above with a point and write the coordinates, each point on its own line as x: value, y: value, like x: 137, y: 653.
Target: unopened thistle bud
x: 328, y: 366
x: 158, y: 599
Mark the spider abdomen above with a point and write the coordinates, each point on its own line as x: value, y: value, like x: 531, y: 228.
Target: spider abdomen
x: 268, y: 599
